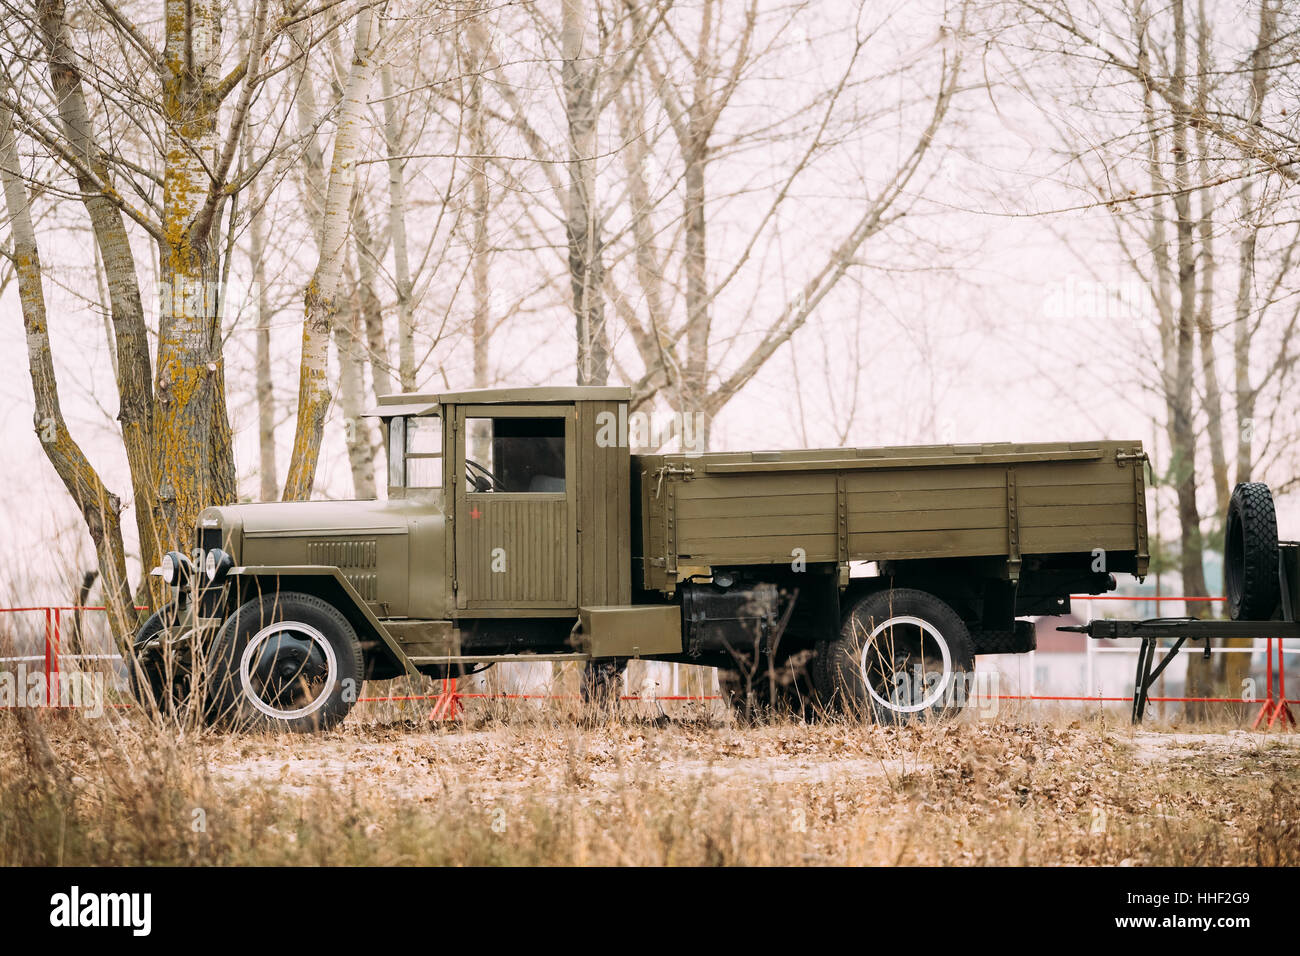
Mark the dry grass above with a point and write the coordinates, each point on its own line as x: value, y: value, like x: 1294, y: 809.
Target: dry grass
x: 536, y: 785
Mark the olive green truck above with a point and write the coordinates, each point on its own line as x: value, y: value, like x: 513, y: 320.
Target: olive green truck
x: 518, y: 526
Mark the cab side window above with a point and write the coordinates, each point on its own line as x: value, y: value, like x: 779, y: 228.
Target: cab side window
x: 515, y: 455
x: 415, y: 452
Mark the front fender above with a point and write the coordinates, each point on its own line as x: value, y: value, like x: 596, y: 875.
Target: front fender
x: 329, y: 584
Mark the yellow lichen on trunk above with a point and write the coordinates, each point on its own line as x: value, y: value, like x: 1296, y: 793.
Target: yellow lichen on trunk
x: 190, y: 409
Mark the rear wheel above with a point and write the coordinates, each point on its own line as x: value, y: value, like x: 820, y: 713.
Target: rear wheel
x: 901, y: 654
x: 1250, y: 553
x: 285, y: 662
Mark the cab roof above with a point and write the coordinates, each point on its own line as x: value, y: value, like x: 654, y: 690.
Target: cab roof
x: 425, y: 403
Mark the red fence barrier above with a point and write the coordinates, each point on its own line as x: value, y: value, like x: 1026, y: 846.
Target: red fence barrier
x: 447, y: 703
x: 53, y: 641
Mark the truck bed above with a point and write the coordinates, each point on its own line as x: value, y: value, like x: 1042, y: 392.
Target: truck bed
x: 1008, y: 501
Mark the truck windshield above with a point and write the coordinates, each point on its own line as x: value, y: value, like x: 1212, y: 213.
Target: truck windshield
x: 415, y: 452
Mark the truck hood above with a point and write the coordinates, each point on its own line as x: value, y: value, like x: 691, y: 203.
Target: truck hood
x: 308, y: 516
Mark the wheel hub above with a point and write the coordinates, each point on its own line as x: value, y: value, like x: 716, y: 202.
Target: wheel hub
x: 288, y: 670
x: 898, y: 662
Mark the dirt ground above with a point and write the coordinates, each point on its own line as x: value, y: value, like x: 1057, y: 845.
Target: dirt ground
x: 410, y: 762
x: 1010, y: 791
x: 529, y: 786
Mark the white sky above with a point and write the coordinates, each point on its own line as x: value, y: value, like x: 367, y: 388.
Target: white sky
x: 969, y: 324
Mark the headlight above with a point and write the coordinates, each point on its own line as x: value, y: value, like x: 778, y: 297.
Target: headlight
x: 176, y: 568
x: 215, y: 565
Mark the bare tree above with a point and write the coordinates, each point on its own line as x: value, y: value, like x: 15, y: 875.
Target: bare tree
x: 149, y: 134
x: 1188, y: 137
x: 99, y: 507
x: 696, y: 83
x: 319, y: 298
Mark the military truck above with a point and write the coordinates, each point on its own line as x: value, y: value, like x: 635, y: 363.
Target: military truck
x: 518, y: 526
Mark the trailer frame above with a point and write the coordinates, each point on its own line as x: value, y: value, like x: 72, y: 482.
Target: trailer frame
x: 1151, y: 631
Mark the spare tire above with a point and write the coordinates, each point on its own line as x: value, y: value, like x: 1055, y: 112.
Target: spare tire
x: 1250, y: 553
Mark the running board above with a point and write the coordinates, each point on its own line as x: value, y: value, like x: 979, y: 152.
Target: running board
x: 497, y: 659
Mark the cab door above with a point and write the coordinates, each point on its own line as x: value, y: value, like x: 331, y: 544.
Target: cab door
x: 515, y: 522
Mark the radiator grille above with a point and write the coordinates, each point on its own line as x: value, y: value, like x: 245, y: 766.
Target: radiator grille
x: 358, y: 560
x: 209, y: 538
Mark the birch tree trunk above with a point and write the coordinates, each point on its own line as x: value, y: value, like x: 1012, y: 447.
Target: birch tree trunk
x: 355, y: 328
x: 582, y: 225
x: 319, y: 299
x: 397, y: 234
x: 372, y: 311
x: 1205, y: 310
x: 695, y: 157
x: 1181, y: 408
x: 480, y: 252
x: 695, y: 380
x: 1245, y: 393
x: 346, y: 328
x: 267, y: 467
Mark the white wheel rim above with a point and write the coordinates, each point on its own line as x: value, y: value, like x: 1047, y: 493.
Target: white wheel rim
x: 260, y: 638
x: 940, y: 687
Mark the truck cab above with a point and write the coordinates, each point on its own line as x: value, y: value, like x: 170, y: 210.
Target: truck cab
x: 535, y: 510
x: 505, y: 470
x: 505, y: 535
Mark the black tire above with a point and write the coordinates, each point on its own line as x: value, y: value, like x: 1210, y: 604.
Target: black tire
x: 1250, y: 553
x: 823, y: 693
x: 160, y: 685
x: 284, y: 662
x: 882, y: 666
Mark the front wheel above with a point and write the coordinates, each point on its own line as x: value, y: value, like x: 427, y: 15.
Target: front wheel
x: 159, y: 674
x: 285, y: 662
x: 901, y: 654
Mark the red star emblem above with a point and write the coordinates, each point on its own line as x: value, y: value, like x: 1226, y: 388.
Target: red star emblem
x: 476, y: 513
